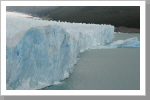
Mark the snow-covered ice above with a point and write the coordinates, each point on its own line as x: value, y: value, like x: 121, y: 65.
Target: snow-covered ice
x: 16, y: 14
x: 40, y: 53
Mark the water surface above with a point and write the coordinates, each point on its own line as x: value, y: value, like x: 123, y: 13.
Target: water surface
x: 105, y: 69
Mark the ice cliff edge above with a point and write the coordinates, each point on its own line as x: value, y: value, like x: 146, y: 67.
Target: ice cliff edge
x: 42, y: 55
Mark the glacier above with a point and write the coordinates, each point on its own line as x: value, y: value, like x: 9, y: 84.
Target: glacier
x: 40, y: 53
x: 128, y: 43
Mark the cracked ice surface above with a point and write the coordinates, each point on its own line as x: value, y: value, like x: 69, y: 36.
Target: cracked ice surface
x: 40, y: 53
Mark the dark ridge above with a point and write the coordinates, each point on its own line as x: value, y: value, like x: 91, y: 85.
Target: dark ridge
x: 127, y: 16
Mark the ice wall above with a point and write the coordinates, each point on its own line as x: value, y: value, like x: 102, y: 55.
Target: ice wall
x: 42, y: 53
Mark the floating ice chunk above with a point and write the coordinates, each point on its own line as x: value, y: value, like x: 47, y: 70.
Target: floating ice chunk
x: 66, y: 75
x: 57, y: 83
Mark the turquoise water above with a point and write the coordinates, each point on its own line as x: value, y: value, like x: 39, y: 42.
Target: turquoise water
x: 105, y: 69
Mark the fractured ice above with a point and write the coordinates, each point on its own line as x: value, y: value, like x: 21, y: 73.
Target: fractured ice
x: 40, y: 53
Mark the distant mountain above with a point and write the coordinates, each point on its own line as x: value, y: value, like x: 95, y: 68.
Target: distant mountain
x: 118, y: 15
x: 128, y: 16
x: 33, y: 10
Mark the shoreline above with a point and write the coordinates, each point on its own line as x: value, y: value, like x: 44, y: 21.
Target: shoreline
x: 123, y: 29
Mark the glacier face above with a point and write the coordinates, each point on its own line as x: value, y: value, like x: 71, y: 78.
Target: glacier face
x: 40, y: 53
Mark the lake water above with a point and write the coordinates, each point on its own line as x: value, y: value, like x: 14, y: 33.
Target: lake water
x: 105, y: 69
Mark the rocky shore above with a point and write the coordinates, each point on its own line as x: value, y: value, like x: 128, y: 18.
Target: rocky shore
x: 123, y: 29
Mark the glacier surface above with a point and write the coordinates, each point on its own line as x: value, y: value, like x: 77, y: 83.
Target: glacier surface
x: 40, y: 53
